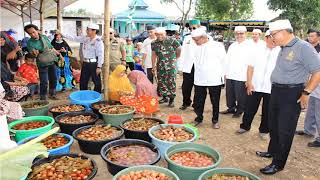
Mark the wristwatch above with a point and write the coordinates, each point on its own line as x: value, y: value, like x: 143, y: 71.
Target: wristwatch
x: 305, y: 92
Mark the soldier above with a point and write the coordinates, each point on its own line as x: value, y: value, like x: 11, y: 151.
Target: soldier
x: 93, y: 52
x: 117, y: 51
x: 165, y: 52
x: 291, y: 86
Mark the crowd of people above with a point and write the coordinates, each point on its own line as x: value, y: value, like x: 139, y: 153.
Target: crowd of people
x: 281, y: 71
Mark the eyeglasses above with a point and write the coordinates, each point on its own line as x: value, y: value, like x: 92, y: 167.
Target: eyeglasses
x: 273, y: 34
x: 238, y: 34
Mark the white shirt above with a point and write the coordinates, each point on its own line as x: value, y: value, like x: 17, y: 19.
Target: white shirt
x: 146, y: 49
x: 91, y: 48
x: 186, y: 59
x: 236, y: 61
x: 209, y: 64
x: 263, y: 66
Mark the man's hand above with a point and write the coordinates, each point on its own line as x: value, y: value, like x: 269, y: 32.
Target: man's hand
x: 63, y: 49
x: 303, y: 100
x: 123, y: 63
x: 154, y: 70
x: 35, y: 52
x: 98, y: 71
x: 250, y: 88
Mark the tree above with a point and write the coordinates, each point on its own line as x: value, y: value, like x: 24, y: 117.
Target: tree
x: 302, y: 14
x: 224, y: 9
x: 184, y: 7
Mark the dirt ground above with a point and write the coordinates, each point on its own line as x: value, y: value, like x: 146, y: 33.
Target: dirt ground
x: 238, y: 151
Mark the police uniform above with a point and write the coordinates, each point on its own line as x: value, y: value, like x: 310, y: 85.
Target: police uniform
x: 93, y: 53
x: 116, y: 48
x: 296, y: 61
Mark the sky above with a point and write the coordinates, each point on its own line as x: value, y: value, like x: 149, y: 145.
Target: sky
x: 261, y: 11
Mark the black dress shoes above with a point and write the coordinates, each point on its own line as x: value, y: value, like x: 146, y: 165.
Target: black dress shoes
x: 183, y: 107
x: 171, y: 102
x: 237, y: 114
x: 163, y: 100
x: 263, y: 154
x: 228, y: 111
x: 271, y: 169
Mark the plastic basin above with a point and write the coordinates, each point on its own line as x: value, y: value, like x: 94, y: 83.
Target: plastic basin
x: 96, y: 110
x: 85, y: 97
x: 164, y: 145
x: 69, y: 128
x: 22, y: 134
x: 165, y: 171
x: 191, y: 173
x: 40, y: 111
x: 115, y: 168
x: 93, y: 147
x: 232, y: 171
x: 116, y: 119
x: 60, y: 150
x: 55, y: 114
x: 51, y: 158
x: 132, y: 134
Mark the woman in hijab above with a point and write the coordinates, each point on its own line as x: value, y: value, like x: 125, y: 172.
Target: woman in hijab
x: 119, y: 83
x: 60, y: 45
x: 142, y: 83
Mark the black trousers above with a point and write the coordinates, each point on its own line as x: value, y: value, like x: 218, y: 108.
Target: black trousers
x: 253, y: 102
x: 150, y: 75
x: 283, y: 117
x: 88, y: 71
x: 130, y: 65
x: 187, y: 85
x: 199, y: 100
x: 47, y: 73
x: 236, y: 95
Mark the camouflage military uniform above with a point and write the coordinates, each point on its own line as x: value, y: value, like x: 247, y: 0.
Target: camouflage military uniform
x: 166, y: 66
x: 116, y: 47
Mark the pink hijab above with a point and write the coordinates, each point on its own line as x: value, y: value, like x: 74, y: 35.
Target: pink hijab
x: 143, y: 85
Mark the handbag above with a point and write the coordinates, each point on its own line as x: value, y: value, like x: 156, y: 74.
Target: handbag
x: 48, y: 55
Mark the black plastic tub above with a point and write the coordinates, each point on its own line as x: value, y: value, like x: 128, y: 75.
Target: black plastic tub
x: 69, y: 128
x: 115, y: 168
x: 143, y: 135
x: 53, y: 157
x: 55, y: 114
x: 96, y: 110
x: 93, y: 147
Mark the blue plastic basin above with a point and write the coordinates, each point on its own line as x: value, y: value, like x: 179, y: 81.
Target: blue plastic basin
x: 85, y: 97
x: 60, y: 150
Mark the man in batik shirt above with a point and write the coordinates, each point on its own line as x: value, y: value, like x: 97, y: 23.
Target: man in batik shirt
x: 165, y: 52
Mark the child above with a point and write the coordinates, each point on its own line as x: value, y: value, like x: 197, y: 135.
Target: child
x: 137, y: 56
x: 129, y: 54
x: 29, y: 71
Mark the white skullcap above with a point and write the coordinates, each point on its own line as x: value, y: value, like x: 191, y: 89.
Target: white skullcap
x: 280, y: 25
x: 268, y: 33
x: 240, y: 29
x: 257, y: 31
x: 198, y: 32
x: 160, y: 30
x: 111, y: 30
x: 204, y: 28
x: 93, y: 26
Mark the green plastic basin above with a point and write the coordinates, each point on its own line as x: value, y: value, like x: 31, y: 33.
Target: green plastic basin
x: 40, y: 111
x: 147, y: 167
x: 21, y: 134
x: 116, y: 119
x: 232, y: 171
x: 191, y: 173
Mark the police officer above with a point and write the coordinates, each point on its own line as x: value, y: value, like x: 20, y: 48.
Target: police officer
x: 93, y: 51
x: 290, y: 91
x: 117, y: 51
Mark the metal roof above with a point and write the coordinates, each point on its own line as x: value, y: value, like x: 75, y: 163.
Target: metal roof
x: 22, y: 6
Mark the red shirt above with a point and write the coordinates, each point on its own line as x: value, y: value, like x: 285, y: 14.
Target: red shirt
x: 29, y: 72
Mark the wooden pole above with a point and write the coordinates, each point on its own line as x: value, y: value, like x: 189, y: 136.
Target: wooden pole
x: 30, y: 11
x: 106, y: 41
x: 41, y: 16
x: 22, y: 18
x: 58, y: 15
